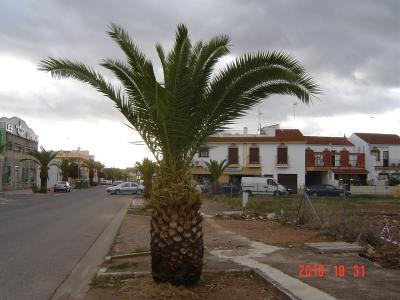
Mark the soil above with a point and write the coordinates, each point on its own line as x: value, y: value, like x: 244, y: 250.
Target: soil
x: 134, y: 236
x: 271, y: 232
x: 217, y: 286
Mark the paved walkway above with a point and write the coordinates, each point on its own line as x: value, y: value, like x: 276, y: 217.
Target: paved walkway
x: 292, y: 269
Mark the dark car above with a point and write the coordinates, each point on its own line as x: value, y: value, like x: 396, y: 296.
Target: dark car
x: 325, y: 190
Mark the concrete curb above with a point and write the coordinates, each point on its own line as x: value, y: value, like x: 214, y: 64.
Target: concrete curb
x: 110, y: 258
x: 76, y: 285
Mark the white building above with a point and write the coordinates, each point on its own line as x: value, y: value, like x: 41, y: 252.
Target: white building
x: 79, y: 157
x: 382, y: 155
x: 277, y: 153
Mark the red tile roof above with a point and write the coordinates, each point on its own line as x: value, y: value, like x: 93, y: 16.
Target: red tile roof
x: 379, y: 138
x: 281, y: 135
x: 328, y: 140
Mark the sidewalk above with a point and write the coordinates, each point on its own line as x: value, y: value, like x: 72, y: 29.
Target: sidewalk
x: 283, y: 266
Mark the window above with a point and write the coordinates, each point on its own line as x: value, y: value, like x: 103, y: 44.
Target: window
x: 353, y: 160
x: 282, y: 155
x: 376, y: 154
x: 254, y: 155
x: 203, y: 152
x: 319, y: 160
x: 233, y: 155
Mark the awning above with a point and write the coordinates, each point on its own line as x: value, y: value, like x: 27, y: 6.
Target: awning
x: 349, y: 171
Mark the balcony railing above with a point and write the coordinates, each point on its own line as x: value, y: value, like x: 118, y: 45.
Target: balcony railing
x: 388, y: 163
x: 355, y: 161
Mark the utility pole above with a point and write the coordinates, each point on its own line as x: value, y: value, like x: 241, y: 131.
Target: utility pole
x: 294, y: 110
x: 259, y: 118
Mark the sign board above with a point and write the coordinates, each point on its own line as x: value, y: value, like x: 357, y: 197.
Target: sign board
x: 18, y: 127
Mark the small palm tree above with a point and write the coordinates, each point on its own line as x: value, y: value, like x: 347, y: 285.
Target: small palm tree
x: 43, y: 159
x: 147, y: 168
x: 64, y: 166
x: 91, y: 165
x: 216, y: 170
x: 174, y: 118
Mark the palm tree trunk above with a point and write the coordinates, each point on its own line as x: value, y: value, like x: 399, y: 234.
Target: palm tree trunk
x: 177, y: 247
x: 43, y: 181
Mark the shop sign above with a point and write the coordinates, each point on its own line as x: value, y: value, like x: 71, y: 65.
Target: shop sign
x: 21, y: 130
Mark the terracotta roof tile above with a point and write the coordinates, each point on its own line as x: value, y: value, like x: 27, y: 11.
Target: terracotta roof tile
x: 379, y: 138
x: 281, y: 135
x: 328, y: 140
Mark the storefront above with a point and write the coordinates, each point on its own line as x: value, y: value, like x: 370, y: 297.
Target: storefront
x: 16, y: 140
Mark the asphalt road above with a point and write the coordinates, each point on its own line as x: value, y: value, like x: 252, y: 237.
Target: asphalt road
x: 42, y: 238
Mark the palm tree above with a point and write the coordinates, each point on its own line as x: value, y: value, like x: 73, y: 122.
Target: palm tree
x: 147, y: 168
x: 91, y: 165
x: 216, y: 170
x: 99, y: 168
x: 174, y: 117
x: 64, y: 166
x: 43, y: 159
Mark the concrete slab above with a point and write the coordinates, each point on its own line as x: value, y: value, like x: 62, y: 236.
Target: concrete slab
x: 335, y: 247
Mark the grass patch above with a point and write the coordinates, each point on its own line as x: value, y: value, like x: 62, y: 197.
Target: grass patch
x: 140, y: 250
x: 343, y: 218
x: 122, y: 266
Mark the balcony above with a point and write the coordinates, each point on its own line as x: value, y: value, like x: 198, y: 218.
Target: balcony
x: 388, y: 164
x: 254, y: 163
x: 323, y: 161
x: 281, y: 163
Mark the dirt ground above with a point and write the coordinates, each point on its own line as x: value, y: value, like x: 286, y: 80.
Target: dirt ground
x: 218, y: 286
x: 134, y: 236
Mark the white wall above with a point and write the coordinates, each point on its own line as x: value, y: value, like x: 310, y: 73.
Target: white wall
x: 296, y: 161
x: 370, y: 161
x: 321, y: 148
x: 268, y: 153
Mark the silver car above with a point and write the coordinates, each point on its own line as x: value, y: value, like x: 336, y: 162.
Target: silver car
x: 62, y: 186
x: 126, y: 188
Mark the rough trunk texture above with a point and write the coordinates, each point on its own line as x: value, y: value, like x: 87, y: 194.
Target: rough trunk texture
x: 176, y: 229
x: 91, y: 176
x: 43, y: 181
x: 176, y: 246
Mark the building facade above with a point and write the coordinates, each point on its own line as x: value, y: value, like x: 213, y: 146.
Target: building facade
x: 382, y: 155
x: 333, y: 160
x: 17, y: 140
x: 277, y: 153
x: 293, y: 159
x: 79, y: 157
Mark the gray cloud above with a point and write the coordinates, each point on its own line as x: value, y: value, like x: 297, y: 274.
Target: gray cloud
x: 350, y: 47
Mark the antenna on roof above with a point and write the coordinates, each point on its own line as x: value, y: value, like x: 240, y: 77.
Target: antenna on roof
x: 259, y: 119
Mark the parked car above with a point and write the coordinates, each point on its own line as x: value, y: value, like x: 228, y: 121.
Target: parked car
x: 126, y: 188
x: 202, y: 187
x: 62, y: 186
x: 325, y: 190
x: 116, y: 182
x: 262, y: 185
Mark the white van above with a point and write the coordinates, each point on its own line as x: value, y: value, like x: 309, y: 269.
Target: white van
x: 262, y: 185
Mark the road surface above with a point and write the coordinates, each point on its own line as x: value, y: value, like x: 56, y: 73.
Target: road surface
x: 42, y: 238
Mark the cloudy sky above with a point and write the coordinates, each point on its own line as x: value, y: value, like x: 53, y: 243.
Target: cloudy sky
x: 351, y: 48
